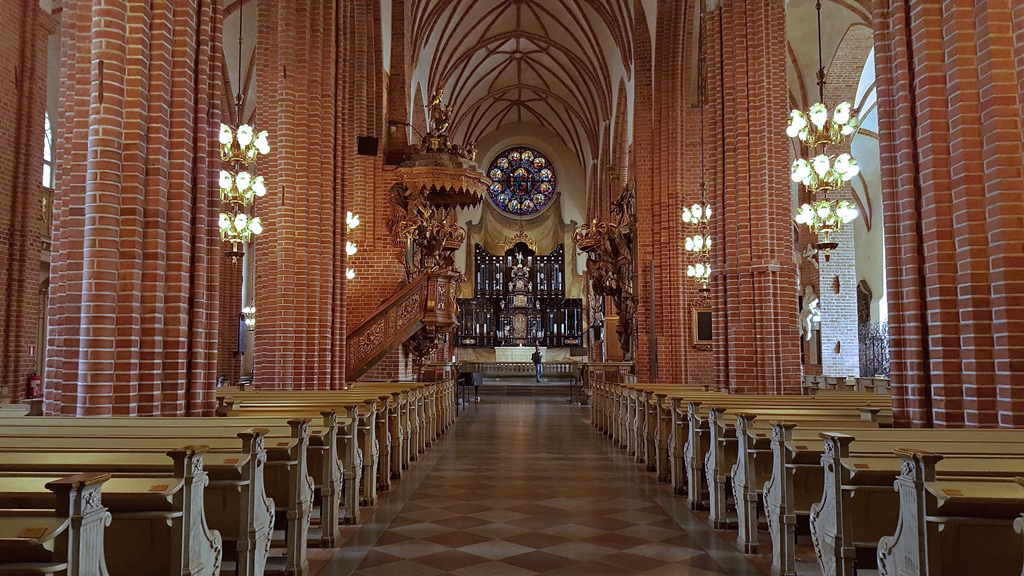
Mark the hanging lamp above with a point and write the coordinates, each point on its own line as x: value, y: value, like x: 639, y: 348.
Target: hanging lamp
x: 824, y: 172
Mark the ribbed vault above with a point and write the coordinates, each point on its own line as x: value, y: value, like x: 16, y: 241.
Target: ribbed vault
x: 549, y: 62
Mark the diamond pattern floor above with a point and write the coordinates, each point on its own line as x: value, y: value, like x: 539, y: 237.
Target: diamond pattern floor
x: 524, y: 486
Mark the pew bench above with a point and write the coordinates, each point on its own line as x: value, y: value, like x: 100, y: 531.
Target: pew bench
x: 151, y: 522
x: 287, y: 462
x: 947, y: 527
x: 286, y: 481
x: 858, y: 505
x: 234, y: 501
x: 68, y: 540
x: 797, y: 472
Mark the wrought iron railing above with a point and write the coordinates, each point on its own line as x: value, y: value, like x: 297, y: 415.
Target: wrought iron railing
x: 874, y: 349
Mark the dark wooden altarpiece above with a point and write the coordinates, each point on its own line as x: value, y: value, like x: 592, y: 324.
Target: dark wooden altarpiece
x: 519, y: 298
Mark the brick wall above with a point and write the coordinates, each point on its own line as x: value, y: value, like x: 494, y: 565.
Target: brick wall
x: 952, y: 198
x: 23, y: 57
x: 754, y: 278
x: 134, y: 275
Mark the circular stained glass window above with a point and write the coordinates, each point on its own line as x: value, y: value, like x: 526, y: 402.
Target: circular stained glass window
x: 523, y: 181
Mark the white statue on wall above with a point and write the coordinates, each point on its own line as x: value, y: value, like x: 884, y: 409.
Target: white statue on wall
x: 810, y: 313
x: 811, y: 254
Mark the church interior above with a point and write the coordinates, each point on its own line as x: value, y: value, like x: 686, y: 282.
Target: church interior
x: 512, y: 287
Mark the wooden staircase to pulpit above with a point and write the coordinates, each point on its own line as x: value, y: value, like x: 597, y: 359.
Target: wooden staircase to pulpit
x: 428, y: 302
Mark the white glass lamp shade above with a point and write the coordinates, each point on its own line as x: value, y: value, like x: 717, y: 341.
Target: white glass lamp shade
x: 821, y: 165
x: 255, y: 226
x: 225, y: 221
x: 707, y: 211
x: 226, y: 180
x: 262, y: 144
x: 797, y: 124
x: 691, y: 271
x: 352, y: 220
x: 806, y: 215
x: 699, y: 270
x: 842, y: 113
x: 350, y: 248
x: 846, y: 166
x: 847, y: 212
x: 697, y: 211
x: 818, y: 114
x: 226, y: 137
x: 243, y: 180
x: 689, y: 244
x: 258, y: 187
x: 687, y: 216
x: 801, y: 171
x: 244, y: 135
x: 850, y: 126
x: 350, y: 273
x: 698, y: 242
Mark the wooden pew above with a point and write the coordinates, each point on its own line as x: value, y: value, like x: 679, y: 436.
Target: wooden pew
x: 356, y: 440
x: 157, y: 520
x: 949, y: 527
x: 797, y: 476
x: 722, y: 456
x: 301, y: 456
x: 235, y: 501
x: 396, y: 422
x: 286, y: 478
x: 858, y: 505
x: 68, y: 541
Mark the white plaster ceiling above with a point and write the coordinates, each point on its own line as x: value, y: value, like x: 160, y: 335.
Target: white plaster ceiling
x: 554, y: 63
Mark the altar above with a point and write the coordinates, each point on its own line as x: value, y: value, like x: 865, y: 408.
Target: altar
x: 515, y: 353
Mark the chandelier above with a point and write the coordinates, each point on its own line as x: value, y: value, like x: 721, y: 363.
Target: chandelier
x: 351, y: 221
x: 249, y: 314
x: 824, y: 172
x: 698, y: 216
x: 698, y: 243
x: 239, y: 187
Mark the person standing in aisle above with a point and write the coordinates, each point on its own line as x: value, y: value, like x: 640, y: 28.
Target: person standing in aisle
x: 538, y: 359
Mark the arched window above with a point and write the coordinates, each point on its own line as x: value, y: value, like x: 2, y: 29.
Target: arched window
x: 47, y: 151
x: 524, y: 181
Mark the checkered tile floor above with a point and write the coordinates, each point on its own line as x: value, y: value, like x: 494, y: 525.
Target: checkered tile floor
x: 521, y: 487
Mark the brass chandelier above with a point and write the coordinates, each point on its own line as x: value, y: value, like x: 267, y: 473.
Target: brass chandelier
x: 824, y: 172
x: 239, y: 187
x: 698, y: 216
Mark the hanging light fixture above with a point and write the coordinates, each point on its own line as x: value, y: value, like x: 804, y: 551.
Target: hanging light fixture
x: 824, y: 172
x: 249, y: 313
x: 351, y: 221
x: 239, y: 187
x: 698, y: 216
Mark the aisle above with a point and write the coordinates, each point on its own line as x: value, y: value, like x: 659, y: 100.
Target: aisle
x: 525, y: 486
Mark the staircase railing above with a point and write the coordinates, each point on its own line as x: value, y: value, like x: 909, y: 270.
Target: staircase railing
x: 426, y: 302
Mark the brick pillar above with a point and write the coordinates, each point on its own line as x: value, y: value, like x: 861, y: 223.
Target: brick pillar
x: 321, y: 85
x: 754, y: 277
x: 23, y: 57
x: 664, y: 180
x: 951, y: 191
x: 840, y: 350
x: 134, y: 274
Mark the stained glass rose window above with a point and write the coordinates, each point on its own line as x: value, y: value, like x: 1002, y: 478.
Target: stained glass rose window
x: 524, y: 181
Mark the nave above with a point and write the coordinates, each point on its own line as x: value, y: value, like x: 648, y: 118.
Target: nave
x: 526, y: 486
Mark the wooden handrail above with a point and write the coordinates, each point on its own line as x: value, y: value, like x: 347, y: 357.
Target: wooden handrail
x: 394, y: 322
x: 426, y: 302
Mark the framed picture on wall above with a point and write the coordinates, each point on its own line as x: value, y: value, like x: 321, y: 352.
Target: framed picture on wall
x: 703, y: 334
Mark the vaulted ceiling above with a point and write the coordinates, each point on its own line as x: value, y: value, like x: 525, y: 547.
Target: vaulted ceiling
x: 555, y: 63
